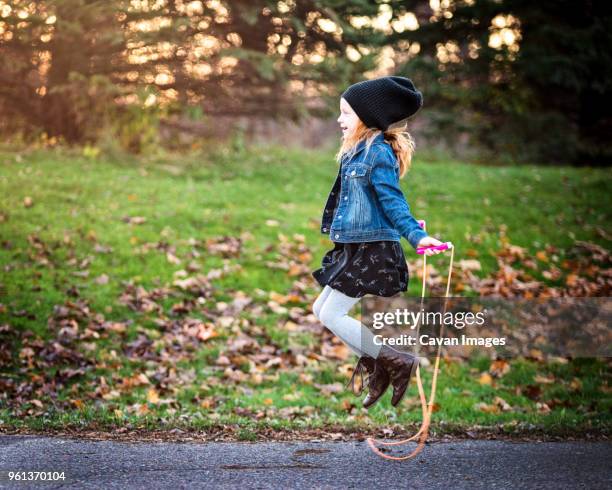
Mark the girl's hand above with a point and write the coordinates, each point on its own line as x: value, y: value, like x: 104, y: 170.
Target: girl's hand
x: 429, y: 241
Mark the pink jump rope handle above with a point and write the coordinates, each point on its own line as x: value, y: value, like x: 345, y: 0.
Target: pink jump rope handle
x: 444, y: 246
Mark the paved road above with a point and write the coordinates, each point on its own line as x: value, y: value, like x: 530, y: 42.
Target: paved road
x: 462, y: 464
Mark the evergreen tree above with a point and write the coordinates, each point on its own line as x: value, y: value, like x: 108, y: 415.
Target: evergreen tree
x: 68, y: 66
x: 528, y: 79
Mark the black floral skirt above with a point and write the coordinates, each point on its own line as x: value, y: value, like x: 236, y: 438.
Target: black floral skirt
x: 357, y: 269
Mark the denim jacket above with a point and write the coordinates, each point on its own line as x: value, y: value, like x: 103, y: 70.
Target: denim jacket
x: 366, y: 203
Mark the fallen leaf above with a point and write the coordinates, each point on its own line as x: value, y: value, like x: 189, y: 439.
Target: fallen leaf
x: 102, y: 279
x: 499, y: 368
x: 542, y: 407
x: 173, y: 259
x: 338, y: 351
x: 576, y: 384
x: 502, y: 404
x: 152, y: 396
x: 483, y: 407
x: 208, y: 403
x: 330, y: 389
x: 544, y: 379
x: 469, y: 265
x: 134, y: 220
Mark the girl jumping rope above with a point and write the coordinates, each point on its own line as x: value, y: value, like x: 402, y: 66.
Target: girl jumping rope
x: 365, y: 216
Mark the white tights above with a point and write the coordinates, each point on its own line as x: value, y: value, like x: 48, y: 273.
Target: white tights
x: 331, y: 308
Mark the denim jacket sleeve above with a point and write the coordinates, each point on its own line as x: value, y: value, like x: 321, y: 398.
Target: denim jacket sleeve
x: 385, y: 181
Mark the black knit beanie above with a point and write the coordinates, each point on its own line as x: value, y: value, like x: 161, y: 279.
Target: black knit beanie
x: 383, y: 101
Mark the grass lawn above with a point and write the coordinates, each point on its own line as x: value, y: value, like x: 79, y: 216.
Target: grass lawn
x: 105, y: 322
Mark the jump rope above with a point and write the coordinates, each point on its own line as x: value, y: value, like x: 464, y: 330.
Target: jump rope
x: 427, y: 407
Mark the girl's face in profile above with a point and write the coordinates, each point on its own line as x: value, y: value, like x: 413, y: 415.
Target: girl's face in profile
x: 348, y: 119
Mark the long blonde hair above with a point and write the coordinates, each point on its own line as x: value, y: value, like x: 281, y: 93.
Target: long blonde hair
x: 400, y: 140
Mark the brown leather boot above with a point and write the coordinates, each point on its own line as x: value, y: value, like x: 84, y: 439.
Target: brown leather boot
x: 401, y: 366
x: 378, y: 382
x: 366, y: 363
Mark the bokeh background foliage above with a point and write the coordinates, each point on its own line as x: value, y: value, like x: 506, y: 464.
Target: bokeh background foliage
x: 513, y: 80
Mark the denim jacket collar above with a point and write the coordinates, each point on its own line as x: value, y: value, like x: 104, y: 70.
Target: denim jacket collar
x: 379, y: 138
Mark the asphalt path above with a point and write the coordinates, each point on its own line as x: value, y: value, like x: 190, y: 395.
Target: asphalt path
x: 460, y: 464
